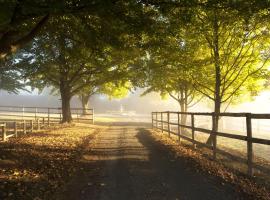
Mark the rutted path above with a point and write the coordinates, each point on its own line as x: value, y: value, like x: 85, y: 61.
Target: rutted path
x: 126, y: 163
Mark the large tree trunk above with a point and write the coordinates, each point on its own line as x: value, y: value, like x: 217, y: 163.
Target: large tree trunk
x: 65, y: 97
x: 217, y: 77
x: 183, y: 108
x: 85, y: 103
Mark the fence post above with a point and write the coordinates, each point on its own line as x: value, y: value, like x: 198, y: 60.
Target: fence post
x: 4, y: 133
x: 161, y: 121
x: 168, y: 122
x: 24, y: 127
x: 214, y: 135
x: 178, y: 127
x: 35, y: 113
x: 48, y: 116
x: 38, y: 124
x: 93, y: 116
x: 152, y: 120
x: 32, y: 125
x: 23, y: 112
x: 156, y: 120
x: 193, y: 130
x: 249, y: 144
x: 60, y: 116
x: 15, y: 129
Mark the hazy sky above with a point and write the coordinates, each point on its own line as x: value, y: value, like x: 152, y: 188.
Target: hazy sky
x: 133, y: 102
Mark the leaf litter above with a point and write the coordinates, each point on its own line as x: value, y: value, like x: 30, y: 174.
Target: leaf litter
x: 36, y: 165
x: 202, y: 164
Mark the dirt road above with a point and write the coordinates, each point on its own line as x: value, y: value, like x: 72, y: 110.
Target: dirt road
x: 126, y: 163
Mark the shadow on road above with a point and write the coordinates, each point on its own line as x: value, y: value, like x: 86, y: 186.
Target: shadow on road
x: 127, y: 163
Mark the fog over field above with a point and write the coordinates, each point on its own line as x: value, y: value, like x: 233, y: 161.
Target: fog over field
x: 133, y: 102
x: 101, y: 104
x: 137, y: 108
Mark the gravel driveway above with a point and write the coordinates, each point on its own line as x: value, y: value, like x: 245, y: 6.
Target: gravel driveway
x: 124, y: 162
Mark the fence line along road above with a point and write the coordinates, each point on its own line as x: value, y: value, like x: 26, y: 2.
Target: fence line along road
x: 12, y: 128
x: 48, y: 114
x: 159, y: 119
x: 14, y: 119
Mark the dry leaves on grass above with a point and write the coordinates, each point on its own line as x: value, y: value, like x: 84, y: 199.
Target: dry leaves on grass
x: 204, y: 165
x: 35, y: 165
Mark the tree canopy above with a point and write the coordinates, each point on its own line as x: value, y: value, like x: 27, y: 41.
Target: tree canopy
x: 186, y: 49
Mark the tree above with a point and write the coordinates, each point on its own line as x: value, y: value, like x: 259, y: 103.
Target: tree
x: 170, y: 67
x: 112, y: 89
x: 85, y: 95
x: 232, y: 46
x: 70, y: 63
x: 234, y: 49
x: 66, y: 64
x: 115, y: 83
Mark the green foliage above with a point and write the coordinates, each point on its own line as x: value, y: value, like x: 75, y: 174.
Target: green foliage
x: 185, y: 49
x: 21, y: 21
x: 62, y: 57
x: 220, y: 52
x: 10, y: 77
x: 170, y: 63
x: 115, y: 91
x: 239, y: 50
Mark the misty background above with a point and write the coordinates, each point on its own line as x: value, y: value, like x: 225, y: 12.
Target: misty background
x: 100, y: 103
x: 142, y: 106
x: 132, y: 102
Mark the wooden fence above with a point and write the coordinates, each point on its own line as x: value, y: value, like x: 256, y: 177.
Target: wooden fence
x: 47, y: 114
x: 163, y: 121
x: 12, y: 128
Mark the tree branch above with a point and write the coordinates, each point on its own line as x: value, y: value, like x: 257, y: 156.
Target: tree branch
x: 7, y: 46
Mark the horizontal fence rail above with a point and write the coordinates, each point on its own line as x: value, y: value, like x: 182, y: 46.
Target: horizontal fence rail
x: 47, y: 114
x: 163, y: 121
